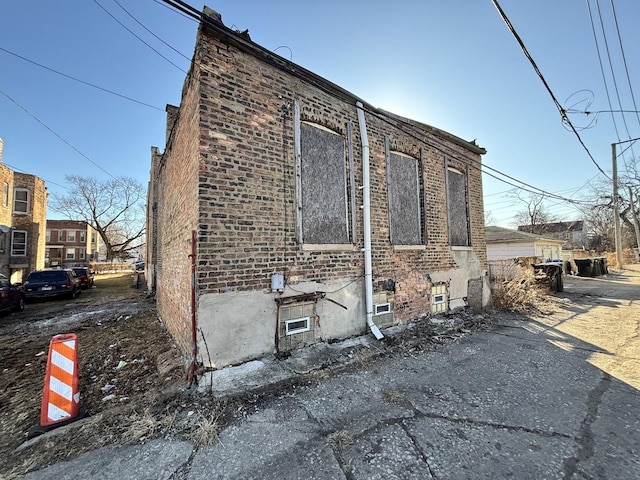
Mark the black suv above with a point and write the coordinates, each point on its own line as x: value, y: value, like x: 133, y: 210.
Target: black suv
x: 52, y: 283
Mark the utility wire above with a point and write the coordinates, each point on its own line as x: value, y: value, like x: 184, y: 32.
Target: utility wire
x: 194, y: 13
x: 81, y: 81
x: 173, y: 9
x: 156, y: 36
x: 48, y: 182
x: 561, y: 110
x: 613, y: 75
x: 132, y: 33
x: 604, y: 77
x: 624, y: 60
x: 55, y: 133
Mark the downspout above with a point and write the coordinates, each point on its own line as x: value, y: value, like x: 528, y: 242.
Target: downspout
x: 366, y: 210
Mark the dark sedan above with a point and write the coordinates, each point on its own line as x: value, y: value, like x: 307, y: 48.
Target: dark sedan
x: 52, y: 283
x: 11, y: 296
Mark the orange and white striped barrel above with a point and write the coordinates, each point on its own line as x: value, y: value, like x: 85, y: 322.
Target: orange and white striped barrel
x: 60, y: 395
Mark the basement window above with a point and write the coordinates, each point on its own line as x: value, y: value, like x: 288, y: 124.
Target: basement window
x: 439, y: 298
x: 297, y: 325
x: 381, y: 308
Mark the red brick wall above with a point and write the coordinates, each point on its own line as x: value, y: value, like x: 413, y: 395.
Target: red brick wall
x: 248, y: 185
x: 236, y: 120
x: 176, y: 209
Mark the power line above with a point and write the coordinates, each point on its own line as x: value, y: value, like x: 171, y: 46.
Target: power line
x: 613, y: 75
x: 54, y: 132
x: 132, y: 33
x: 384, y: 116
x: 561, y: 110
x: 30, y: 173
x: 156, y: 36
x: 624, y: 60
x: 81, y: 81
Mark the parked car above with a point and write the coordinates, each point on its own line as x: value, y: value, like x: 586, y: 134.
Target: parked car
x: 85, y: 275
x: 52, y: 283
x: 11, y: 296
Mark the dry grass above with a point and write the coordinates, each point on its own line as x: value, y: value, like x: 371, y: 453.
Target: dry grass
x: 206, y: 430
x: 514, y: 287
x: 145, y: 425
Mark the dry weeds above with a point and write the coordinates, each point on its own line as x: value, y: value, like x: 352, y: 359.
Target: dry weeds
x: 514, y: 287
x: 207, y: 429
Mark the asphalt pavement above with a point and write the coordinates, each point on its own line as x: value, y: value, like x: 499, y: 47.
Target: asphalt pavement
x: 548, y: 397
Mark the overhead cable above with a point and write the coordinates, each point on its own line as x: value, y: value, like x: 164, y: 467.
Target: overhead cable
x: 395, y: 121
x: 151, y: 32
x: 81, y: 81
x: 561, y: 110
x: 55, y: 133
x: 134, y: 34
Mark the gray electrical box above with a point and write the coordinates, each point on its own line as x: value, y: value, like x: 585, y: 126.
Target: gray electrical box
x: 277, y: 282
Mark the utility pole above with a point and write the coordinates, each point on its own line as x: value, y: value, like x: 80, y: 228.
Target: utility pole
x: 616, y: 200
x: 616, y: 206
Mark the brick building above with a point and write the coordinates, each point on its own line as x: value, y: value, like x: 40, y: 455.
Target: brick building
x: 23, y: 210
x: 315, y: 215
x: 70, y: 243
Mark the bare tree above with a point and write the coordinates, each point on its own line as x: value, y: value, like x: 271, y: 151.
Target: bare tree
x: 534, y: 213
x: 115, y: 208
x: 489, y: 218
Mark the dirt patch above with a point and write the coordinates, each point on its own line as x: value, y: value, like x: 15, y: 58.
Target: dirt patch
x: 123, y: 393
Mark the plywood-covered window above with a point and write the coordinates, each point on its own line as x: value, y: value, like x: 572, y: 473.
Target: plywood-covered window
x: 322, y: 186
x: 404, y: 198
x: 457, y: 208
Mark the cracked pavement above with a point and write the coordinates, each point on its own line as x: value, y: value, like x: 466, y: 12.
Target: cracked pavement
x: 553, y: 396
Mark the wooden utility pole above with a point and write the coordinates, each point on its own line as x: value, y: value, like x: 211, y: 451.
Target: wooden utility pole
x: 616, y: 199
x: 616, y: 206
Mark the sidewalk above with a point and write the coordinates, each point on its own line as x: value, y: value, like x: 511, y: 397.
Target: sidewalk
x: 522, y: 400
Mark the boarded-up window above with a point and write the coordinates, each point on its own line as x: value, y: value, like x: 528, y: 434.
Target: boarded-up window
x: 403, y: 187
x: 324, y: 186
x: 457, y: 208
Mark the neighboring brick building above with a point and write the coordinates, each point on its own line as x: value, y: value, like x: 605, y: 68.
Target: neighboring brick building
x: 23, y: 210
x: 266, y: 163
x: 70, y: 243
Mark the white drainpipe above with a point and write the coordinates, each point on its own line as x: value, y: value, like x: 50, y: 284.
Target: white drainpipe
x: 366, y: 210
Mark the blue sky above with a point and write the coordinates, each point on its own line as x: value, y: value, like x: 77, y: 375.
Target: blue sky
x: 453, y: 65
